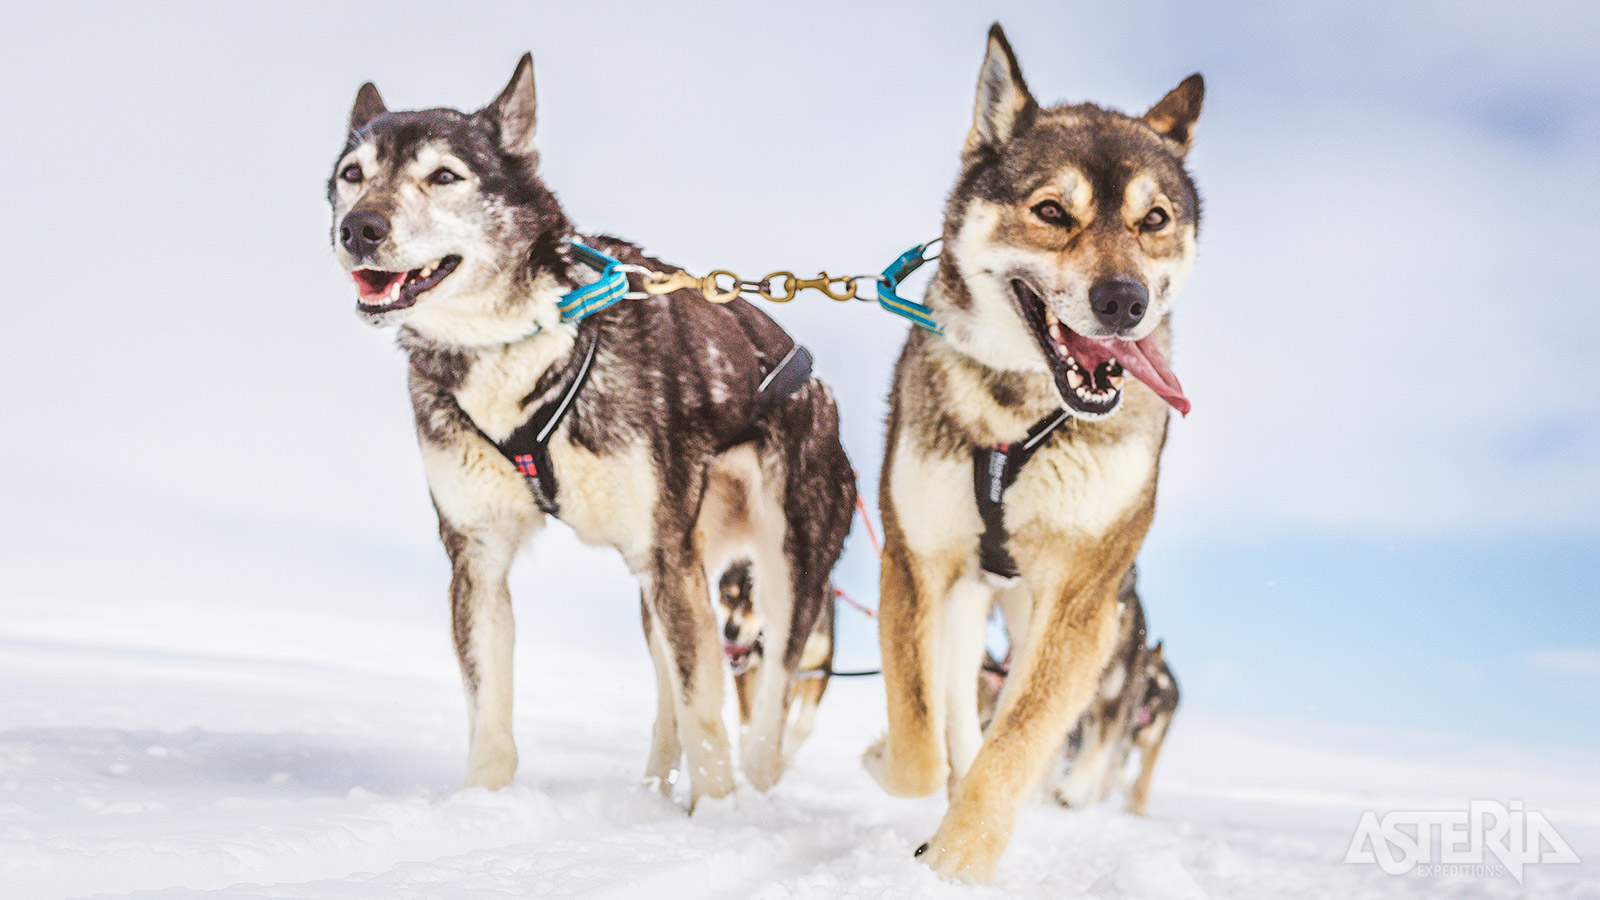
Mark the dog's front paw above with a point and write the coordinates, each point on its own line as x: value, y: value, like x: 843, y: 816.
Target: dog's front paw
x: 709, y: 786
x: 763, y: 765
x: 1073, y: 792
x: 492, y: 770
x: 970, y: 859
x: 900, y: 780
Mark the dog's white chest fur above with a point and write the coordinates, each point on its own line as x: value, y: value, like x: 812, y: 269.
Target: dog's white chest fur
x: 493, y: 391
x: 1071, y: 487
x: 606, y: 499
x: 1067, y: 487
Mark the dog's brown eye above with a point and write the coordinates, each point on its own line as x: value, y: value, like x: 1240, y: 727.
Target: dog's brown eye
x: 351, y: 173
x: 1052, y: 212
x: 444, y: 176
x: 1155, y: 220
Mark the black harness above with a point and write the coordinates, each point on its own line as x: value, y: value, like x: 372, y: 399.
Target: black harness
x: 528, y: 447
x: 993, y: 470
x: 778, y: 385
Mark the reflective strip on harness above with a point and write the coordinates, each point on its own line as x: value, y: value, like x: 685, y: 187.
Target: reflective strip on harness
x: 528, y: 447
x: 789, y: 376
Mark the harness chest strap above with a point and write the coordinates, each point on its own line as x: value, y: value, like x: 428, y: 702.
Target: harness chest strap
x: 528, y: 447
x: 993, y: 470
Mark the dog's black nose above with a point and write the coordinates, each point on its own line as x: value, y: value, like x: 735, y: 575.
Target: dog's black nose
x: 731, y: 631
x: 1119, y: 303
x: 362, y: 231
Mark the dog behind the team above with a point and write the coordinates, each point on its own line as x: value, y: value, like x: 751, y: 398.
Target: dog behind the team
x: 1133, y: 707
x: 1020, y: 460
x: 1151, y: 720
x: 743, y: 643
x: 651, y: 426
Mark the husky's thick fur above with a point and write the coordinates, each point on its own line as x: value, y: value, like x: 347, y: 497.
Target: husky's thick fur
x: 451, y: 235
x: 1132, y: 707
x: 1069, y: 233
x: 744, y: 644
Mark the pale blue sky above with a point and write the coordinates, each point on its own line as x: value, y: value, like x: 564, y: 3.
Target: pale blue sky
x: 1384, y: 508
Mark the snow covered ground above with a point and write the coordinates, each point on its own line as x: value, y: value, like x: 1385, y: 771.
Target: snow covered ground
x: 291, y: 746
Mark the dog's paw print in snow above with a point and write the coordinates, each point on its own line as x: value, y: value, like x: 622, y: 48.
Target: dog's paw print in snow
x: 1154, y: 875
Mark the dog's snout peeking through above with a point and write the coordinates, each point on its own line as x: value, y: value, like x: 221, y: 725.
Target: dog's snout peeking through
x: 1119, y: 303
x: 362, y: 231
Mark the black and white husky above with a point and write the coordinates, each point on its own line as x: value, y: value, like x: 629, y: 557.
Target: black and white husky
x: 664, y: 444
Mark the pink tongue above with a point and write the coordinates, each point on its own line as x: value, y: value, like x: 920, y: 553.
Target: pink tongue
x: 1142, y: 360
x: 372, y: 285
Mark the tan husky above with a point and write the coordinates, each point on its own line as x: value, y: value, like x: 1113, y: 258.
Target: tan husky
x: 1021, y: 465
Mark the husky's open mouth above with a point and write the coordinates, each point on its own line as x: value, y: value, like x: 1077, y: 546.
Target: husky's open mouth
x: 381, y: 291
x: 1089, y: 371
x: 740, y: 655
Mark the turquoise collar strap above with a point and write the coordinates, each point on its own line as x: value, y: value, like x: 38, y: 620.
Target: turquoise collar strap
x: 598, y: 294
x: 908, y: 262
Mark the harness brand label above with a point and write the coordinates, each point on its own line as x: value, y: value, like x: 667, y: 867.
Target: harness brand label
x: 997, y: 471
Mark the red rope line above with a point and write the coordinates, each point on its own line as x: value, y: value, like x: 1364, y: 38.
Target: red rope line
x: 856, y: 604
x: 861, y: 507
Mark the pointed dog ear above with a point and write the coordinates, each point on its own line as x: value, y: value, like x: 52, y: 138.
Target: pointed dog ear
x: 515, y: 109
x: 368, y: 106
x: 1004, y: 104
x: 1174, y: 117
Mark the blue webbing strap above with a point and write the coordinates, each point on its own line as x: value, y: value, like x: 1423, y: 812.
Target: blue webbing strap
x: 908, y: 262
x: 599, y: 294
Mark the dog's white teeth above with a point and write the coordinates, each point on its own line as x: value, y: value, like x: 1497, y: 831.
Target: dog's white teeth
x: 1055, y: 331
x: 1116, y: 381
x: 1074, y: 378
x: 427, y: 270
x: 1051, y: 320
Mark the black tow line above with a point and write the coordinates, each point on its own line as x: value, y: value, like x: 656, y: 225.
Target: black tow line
x: 826, y: 672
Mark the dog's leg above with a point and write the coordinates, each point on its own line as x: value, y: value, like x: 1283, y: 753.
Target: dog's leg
x: 774, y: 598
x: 806, y: 497
x: 1078, y: 788
x: 1016, y: 604
x: 1116, y: 770
x: 962, y: 653
x: 679, y: 605
x: 1073, y: 629
x: 1119, y: 743
x: 744, y: 689
x: 1150, y: 741
x: 665, y: 751
x: 481, y: 622
x: 807, y: 695
x: 817, y: 659
x: 910, y: 761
